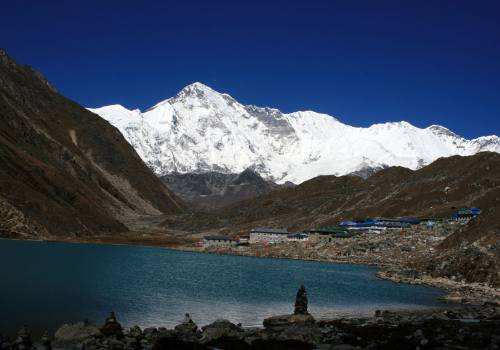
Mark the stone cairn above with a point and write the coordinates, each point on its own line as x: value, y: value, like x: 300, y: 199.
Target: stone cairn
x: 188, y: 329
x: 45, y: 342
x: 301, y: 302
x: 23, y: 340
x: 112, y: 327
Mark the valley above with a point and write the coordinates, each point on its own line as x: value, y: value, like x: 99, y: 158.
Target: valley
x: 68, y: 175
x: 226, y: 175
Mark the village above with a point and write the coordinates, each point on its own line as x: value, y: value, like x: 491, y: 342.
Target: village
x: 344, y: 229
x: 401, y: 247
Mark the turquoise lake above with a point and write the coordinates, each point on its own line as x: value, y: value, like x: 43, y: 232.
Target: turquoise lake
x: 45, y: 285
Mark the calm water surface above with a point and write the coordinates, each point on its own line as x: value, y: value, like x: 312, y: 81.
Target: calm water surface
x: 47, y: 284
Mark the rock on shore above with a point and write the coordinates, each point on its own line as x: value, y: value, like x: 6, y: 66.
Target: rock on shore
x: 459, y: 328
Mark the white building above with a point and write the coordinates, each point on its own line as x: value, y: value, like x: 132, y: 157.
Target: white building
x: 218, y: 241
x: 297, y: 237
x: 268, y: 235
x: 243, y: 240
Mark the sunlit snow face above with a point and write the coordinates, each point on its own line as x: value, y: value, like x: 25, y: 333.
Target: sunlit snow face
x: 202, y: 130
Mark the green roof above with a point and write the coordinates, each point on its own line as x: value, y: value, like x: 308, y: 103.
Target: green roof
x: 330, y: 230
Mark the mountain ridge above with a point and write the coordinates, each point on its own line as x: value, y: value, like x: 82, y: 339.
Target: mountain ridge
x: 200, y: 129
x: 211, y: 190
x: 63, y: 170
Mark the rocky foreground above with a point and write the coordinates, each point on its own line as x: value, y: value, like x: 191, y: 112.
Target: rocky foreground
x: 464, y: 328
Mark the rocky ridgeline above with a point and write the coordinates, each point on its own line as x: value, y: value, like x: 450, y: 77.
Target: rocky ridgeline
x: 465, y: 328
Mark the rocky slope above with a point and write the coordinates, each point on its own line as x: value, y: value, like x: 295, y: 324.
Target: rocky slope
x: 64, y: 170
x: 214, y: 190
x: 436, y: 190
x: 201, y: 130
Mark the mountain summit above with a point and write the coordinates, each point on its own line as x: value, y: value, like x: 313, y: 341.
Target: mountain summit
x: 201, y: 130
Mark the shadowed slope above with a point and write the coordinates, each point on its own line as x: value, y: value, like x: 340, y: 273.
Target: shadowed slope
x: 64, y: 170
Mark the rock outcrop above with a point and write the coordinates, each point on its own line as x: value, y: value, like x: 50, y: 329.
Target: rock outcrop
x: 210, y: 190
x: 75, y: 333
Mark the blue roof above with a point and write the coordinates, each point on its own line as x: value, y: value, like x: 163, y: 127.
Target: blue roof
x: 360, y: 224
x: 468, y: 211
x: 370, y: 222
x: 410, y: 221
x: 407, y: 220
x: 348, y: 223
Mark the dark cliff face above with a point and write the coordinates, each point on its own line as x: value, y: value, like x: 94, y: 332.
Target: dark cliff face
x: 212, y: 190
x: 63, y: 169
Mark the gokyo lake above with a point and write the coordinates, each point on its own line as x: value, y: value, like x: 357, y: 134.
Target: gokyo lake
x: 44, y: 285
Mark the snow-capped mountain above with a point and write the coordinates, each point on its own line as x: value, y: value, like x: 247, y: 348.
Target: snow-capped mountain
x: 203, y: 130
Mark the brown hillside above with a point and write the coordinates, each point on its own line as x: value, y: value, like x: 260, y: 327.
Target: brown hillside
x: 433, y: 191
x: 472, y: 253
x: 64, y: 170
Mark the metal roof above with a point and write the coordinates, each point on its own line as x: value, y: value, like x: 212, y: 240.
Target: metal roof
x: 297, y: 235
x: 280, y: 231
x: 329, y: 230
x: 218, y: 238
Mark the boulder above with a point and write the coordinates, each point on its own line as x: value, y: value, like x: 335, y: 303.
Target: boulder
x: 150, y: 333
x: 344, y: 347
x: 281, y: 344
x: 135, y: 332
x: 277, y: 322
x: 4, y: 342
x: 301, y: 329
x: 75, y: 333
x: 23, y: 340
x: 45, y: 342
x: 172, y: 342
x: 188, y: 330
x: 133, y: 338
x: 219, y: 329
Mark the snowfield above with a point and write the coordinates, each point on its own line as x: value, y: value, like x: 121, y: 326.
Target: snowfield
x: 203, y: 130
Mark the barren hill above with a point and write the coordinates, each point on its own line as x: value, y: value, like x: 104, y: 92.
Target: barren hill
x: 64, y: 170
x: 211, y: 190
x: 436, y: 190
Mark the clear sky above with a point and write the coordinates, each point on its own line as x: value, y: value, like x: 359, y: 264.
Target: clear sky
x: 363, y: 61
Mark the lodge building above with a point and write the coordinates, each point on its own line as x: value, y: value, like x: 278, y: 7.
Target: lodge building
x: 268, y: 235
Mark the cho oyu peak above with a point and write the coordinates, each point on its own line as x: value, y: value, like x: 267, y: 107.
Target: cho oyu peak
x: 200, y: 129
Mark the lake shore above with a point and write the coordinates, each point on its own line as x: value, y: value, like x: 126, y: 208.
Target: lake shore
x: 393, y: 269
x: 393, y: 265
x: 459, y: 328
x: 467, y: 325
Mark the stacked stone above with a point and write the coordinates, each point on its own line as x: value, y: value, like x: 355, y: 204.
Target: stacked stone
x: 23, y: 340
x: 301, y: 302
x: 111, y: 327
x: 45, y: 342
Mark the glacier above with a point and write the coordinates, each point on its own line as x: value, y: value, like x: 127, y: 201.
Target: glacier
x: 201, y: 130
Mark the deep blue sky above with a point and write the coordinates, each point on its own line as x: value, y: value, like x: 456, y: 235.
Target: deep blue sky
x: 427, y: 62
